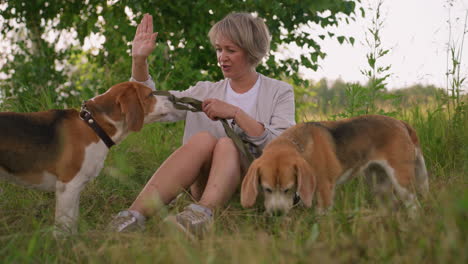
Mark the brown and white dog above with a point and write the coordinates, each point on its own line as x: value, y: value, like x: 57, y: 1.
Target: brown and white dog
x: 316, y: 156
x: 60, y: 150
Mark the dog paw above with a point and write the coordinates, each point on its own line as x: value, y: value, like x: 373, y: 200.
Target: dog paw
x: 321, y: 211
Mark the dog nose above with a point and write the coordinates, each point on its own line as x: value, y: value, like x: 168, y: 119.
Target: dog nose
x: 277, y: 212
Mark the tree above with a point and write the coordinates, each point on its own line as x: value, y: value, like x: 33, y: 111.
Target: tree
x: 183, y: 55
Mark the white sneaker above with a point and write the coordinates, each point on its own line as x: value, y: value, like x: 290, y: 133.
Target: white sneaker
x: 195, y: 220
x: 127, y: 221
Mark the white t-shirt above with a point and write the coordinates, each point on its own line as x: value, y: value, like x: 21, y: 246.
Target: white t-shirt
x: 246, y: 101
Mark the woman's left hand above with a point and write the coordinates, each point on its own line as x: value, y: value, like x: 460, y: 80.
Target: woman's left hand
x: 216, y: 109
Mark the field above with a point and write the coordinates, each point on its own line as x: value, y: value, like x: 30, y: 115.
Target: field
x: 38, y: 74
x: 355, y: 231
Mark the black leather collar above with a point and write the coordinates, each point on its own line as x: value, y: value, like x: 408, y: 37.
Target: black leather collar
x: 91, y: 122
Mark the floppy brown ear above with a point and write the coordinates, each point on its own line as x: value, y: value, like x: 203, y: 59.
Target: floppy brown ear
x: 305, y: 181
x: 131, y: 105
x: 249, y: 188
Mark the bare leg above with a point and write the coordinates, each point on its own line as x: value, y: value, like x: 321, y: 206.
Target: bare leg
x: 197, y: 188
x: 178, y: 172
x: 224, y: 177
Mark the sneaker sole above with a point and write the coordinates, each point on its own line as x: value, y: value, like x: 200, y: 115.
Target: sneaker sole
x: 173, y: 221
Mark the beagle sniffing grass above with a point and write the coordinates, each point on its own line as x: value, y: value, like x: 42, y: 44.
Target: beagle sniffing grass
x: 61, y: 150
x: 314, y: 157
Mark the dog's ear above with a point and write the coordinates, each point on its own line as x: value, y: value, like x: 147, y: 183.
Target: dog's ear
x: 305, y: 181
x: 249, y: 188
x: 131, y: 105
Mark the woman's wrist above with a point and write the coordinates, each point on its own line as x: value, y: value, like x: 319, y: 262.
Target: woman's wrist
x: 139, y: 60
x: 140, y: 69
x: 236, y: 111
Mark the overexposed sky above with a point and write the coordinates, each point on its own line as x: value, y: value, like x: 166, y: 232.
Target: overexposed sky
x: 417, y: 33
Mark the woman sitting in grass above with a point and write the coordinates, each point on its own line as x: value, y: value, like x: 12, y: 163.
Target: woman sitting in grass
x: 208, y: 162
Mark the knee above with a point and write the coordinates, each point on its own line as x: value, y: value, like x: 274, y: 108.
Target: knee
x: 225, y: 144
x: 202, y: 140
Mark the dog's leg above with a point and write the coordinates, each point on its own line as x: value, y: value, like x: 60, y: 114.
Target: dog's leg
x: 67, y: 206
x: 422, y: 185
x: 325, y: 193
x: 380, y: 184
x: 401, y: 175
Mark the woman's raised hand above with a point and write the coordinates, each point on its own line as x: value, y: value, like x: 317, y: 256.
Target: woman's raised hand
x: 144, y: 41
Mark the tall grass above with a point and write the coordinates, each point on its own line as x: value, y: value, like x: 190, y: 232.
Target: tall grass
x: 356, y: 230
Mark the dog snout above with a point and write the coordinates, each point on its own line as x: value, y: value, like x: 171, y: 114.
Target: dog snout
x: 277, y: 212
x: 277, y: 203
x: 164, y: 105
x: 168, y: 104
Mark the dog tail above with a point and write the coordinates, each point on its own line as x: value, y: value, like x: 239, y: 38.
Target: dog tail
x: 422, y: 184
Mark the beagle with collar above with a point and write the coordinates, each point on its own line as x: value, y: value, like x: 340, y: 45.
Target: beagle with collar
x: 312, y: 158
x: 61, y: 150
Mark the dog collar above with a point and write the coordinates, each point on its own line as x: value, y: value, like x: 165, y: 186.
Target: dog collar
x: 86, y: 116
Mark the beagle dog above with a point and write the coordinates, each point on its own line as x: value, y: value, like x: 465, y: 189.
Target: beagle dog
x: 314, y: 157
x: 61, y: 150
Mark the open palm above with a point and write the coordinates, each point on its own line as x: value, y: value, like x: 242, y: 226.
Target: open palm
x: 144, y: 41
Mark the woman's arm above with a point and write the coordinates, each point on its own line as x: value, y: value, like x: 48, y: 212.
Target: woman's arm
x: 143, y: 44
x: 282, y: 117
x: 215, y: 108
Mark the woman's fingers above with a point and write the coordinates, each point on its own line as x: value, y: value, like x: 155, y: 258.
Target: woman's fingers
x: 207, y: 104
x: 150, y: 24
x: 145, y: 18
x: 145, y: 26
x: 144, y: 41
x: 206, y: 107
x: 139, y: 29
x: 215, y: 109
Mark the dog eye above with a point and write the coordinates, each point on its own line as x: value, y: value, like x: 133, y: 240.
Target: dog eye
x: 286, y: 191
x: 268, y: 190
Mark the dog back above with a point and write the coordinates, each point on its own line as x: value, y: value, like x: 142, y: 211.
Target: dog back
x: 29, y: 139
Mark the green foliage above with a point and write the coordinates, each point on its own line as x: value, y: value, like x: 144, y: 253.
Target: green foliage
x: 456, y: 103
x: 183, y: 56
x: 363, y: 100
x: 331, y: 98
x: 303, y: 104
x: 357, y: 97
x: 455, y: 78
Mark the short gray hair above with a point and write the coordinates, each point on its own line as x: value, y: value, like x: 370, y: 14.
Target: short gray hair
x: 246, y: 31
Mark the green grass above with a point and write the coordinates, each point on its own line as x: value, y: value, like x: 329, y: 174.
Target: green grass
x: 355, y: 231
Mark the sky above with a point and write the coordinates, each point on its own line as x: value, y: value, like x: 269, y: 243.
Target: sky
x: 415, y: 31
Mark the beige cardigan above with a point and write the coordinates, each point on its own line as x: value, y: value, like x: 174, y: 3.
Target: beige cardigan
x: 275, y: 109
